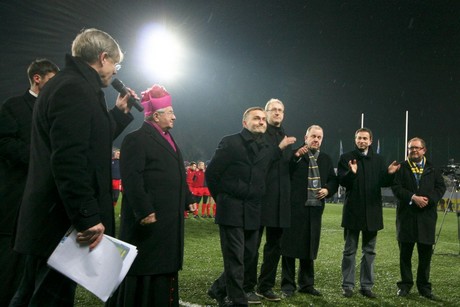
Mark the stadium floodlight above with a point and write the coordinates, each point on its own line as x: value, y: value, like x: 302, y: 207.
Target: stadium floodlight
x: 161, y: 53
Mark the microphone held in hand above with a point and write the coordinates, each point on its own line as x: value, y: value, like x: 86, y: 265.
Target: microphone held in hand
x: 121, y: 88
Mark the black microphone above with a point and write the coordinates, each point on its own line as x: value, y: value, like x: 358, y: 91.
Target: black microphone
x: 121, y: 88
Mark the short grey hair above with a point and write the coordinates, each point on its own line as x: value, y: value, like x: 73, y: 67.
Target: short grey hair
x: 150, y: 117
x: 273, y: 100
x: 313, y: 127
x: 90, y: 43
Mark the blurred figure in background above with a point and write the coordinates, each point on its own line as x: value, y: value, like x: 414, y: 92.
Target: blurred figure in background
x: 116, y: 177
x: 15, y: 126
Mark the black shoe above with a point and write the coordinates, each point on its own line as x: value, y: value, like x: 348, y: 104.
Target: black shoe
x: 311, y: 291
x: 347, y: 292
x: 367, y: 293
x: 221, y: 300
x: 228, y: 303
x: 287, y: 293
x: 269, y: 295
x: 403, y: 292
x: 428, y: 295
x: 253, y: 298
x: 212, y: 295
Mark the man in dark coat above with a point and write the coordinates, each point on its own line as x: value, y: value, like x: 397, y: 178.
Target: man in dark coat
x: 362, y: 172
x: 236, y: 179
x: 418, y: 186
x: 276, y: 211
x: 69, y: 180
x: 301, y: 240
x: 15, y: 125
x: 155, y: 195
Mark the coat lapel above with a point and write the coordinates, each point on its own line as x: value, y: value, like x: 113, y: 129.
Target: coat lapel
x: 153, y: 133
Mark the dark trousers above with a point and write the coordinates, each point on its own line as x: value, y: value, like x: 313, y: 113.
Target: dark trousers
x: 239, y: 247
x: 425, y: 252
x: 271, y: 258
x: 11, y: 268
x: 26, y: 287
x: 50, y: 288
x: 305, y: 278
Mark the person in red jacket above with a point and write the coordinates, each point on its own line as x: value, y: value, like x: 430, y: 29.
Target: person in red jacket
x: 190, y: 175
x: 201, y: 190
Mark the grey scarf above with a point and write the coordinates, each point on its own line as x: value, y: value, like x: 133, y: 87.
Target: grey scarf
x: 314, y: 180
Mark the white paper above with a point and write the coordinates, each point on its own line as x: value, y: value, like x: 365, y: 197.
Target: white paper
x: 100, y: 271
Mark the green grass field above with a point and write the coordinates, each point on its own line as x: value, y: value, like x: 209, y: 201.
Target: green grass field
x: 203, y: 264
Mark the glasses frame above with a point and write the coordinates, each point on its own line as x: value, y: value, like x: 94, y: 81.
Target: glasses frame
x: 276, y: 110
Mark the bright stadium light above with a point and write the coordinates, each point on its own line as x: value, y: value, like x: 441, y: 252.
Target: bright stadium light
x: 161, y: 53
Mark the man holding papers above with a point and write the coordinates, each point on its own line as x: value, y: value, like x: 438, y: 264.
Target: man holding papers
x: 155, y: 195
x: 69, y: 170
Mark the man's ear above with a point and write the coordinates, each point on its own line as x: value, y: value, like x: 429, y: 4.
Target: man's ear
x: 36, y: 78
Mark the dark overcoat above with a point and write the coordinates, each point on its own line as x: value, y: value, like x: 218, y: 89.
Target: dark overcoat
x: 69, y: 181
x: 15, y: 126
x: 153, y: 177
x: 276, y: 211
x: 236, y: 178
x: 414, y: 224
x: 301, y: 240
x: 362, y: 208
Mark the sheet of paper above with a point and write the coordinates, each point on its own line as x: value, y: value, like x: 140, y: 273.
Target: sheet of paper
x: 99, y: 271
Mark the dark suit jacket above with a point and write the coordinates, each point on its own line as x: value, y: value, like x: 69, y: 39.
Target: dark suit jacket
x: 301, y: 240
x: 236, y: 179
x: 69, y: 181
x: 362, y: 207
x: 276, y: 207
x: 153, y: 176
x: 15, y: 125
x: 414, y: 224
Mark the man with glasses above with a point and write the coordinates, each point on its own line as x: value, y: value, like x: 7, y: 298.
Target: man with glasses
x: 362, y: 172
x: 276, y: 211
x: 418, y: 186
x: 236, y: 178
x: 69, y: 176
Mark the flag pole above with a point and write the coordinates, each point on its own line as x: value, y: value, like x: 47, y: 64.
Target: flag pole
x: 405, y: 140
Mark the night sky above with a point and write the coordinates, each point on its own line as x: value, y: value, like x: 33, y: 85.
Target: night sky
x: 328, y: 61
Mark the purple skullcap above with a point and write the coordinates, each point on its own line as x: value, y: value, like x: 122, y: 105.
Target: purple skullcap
x: 155, y: 98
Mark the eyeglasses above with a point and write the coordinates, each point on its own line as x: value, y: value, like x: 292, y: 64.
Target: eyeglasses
x: 276, y: 110
x: 415, y: 148
x: 117, y: 66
